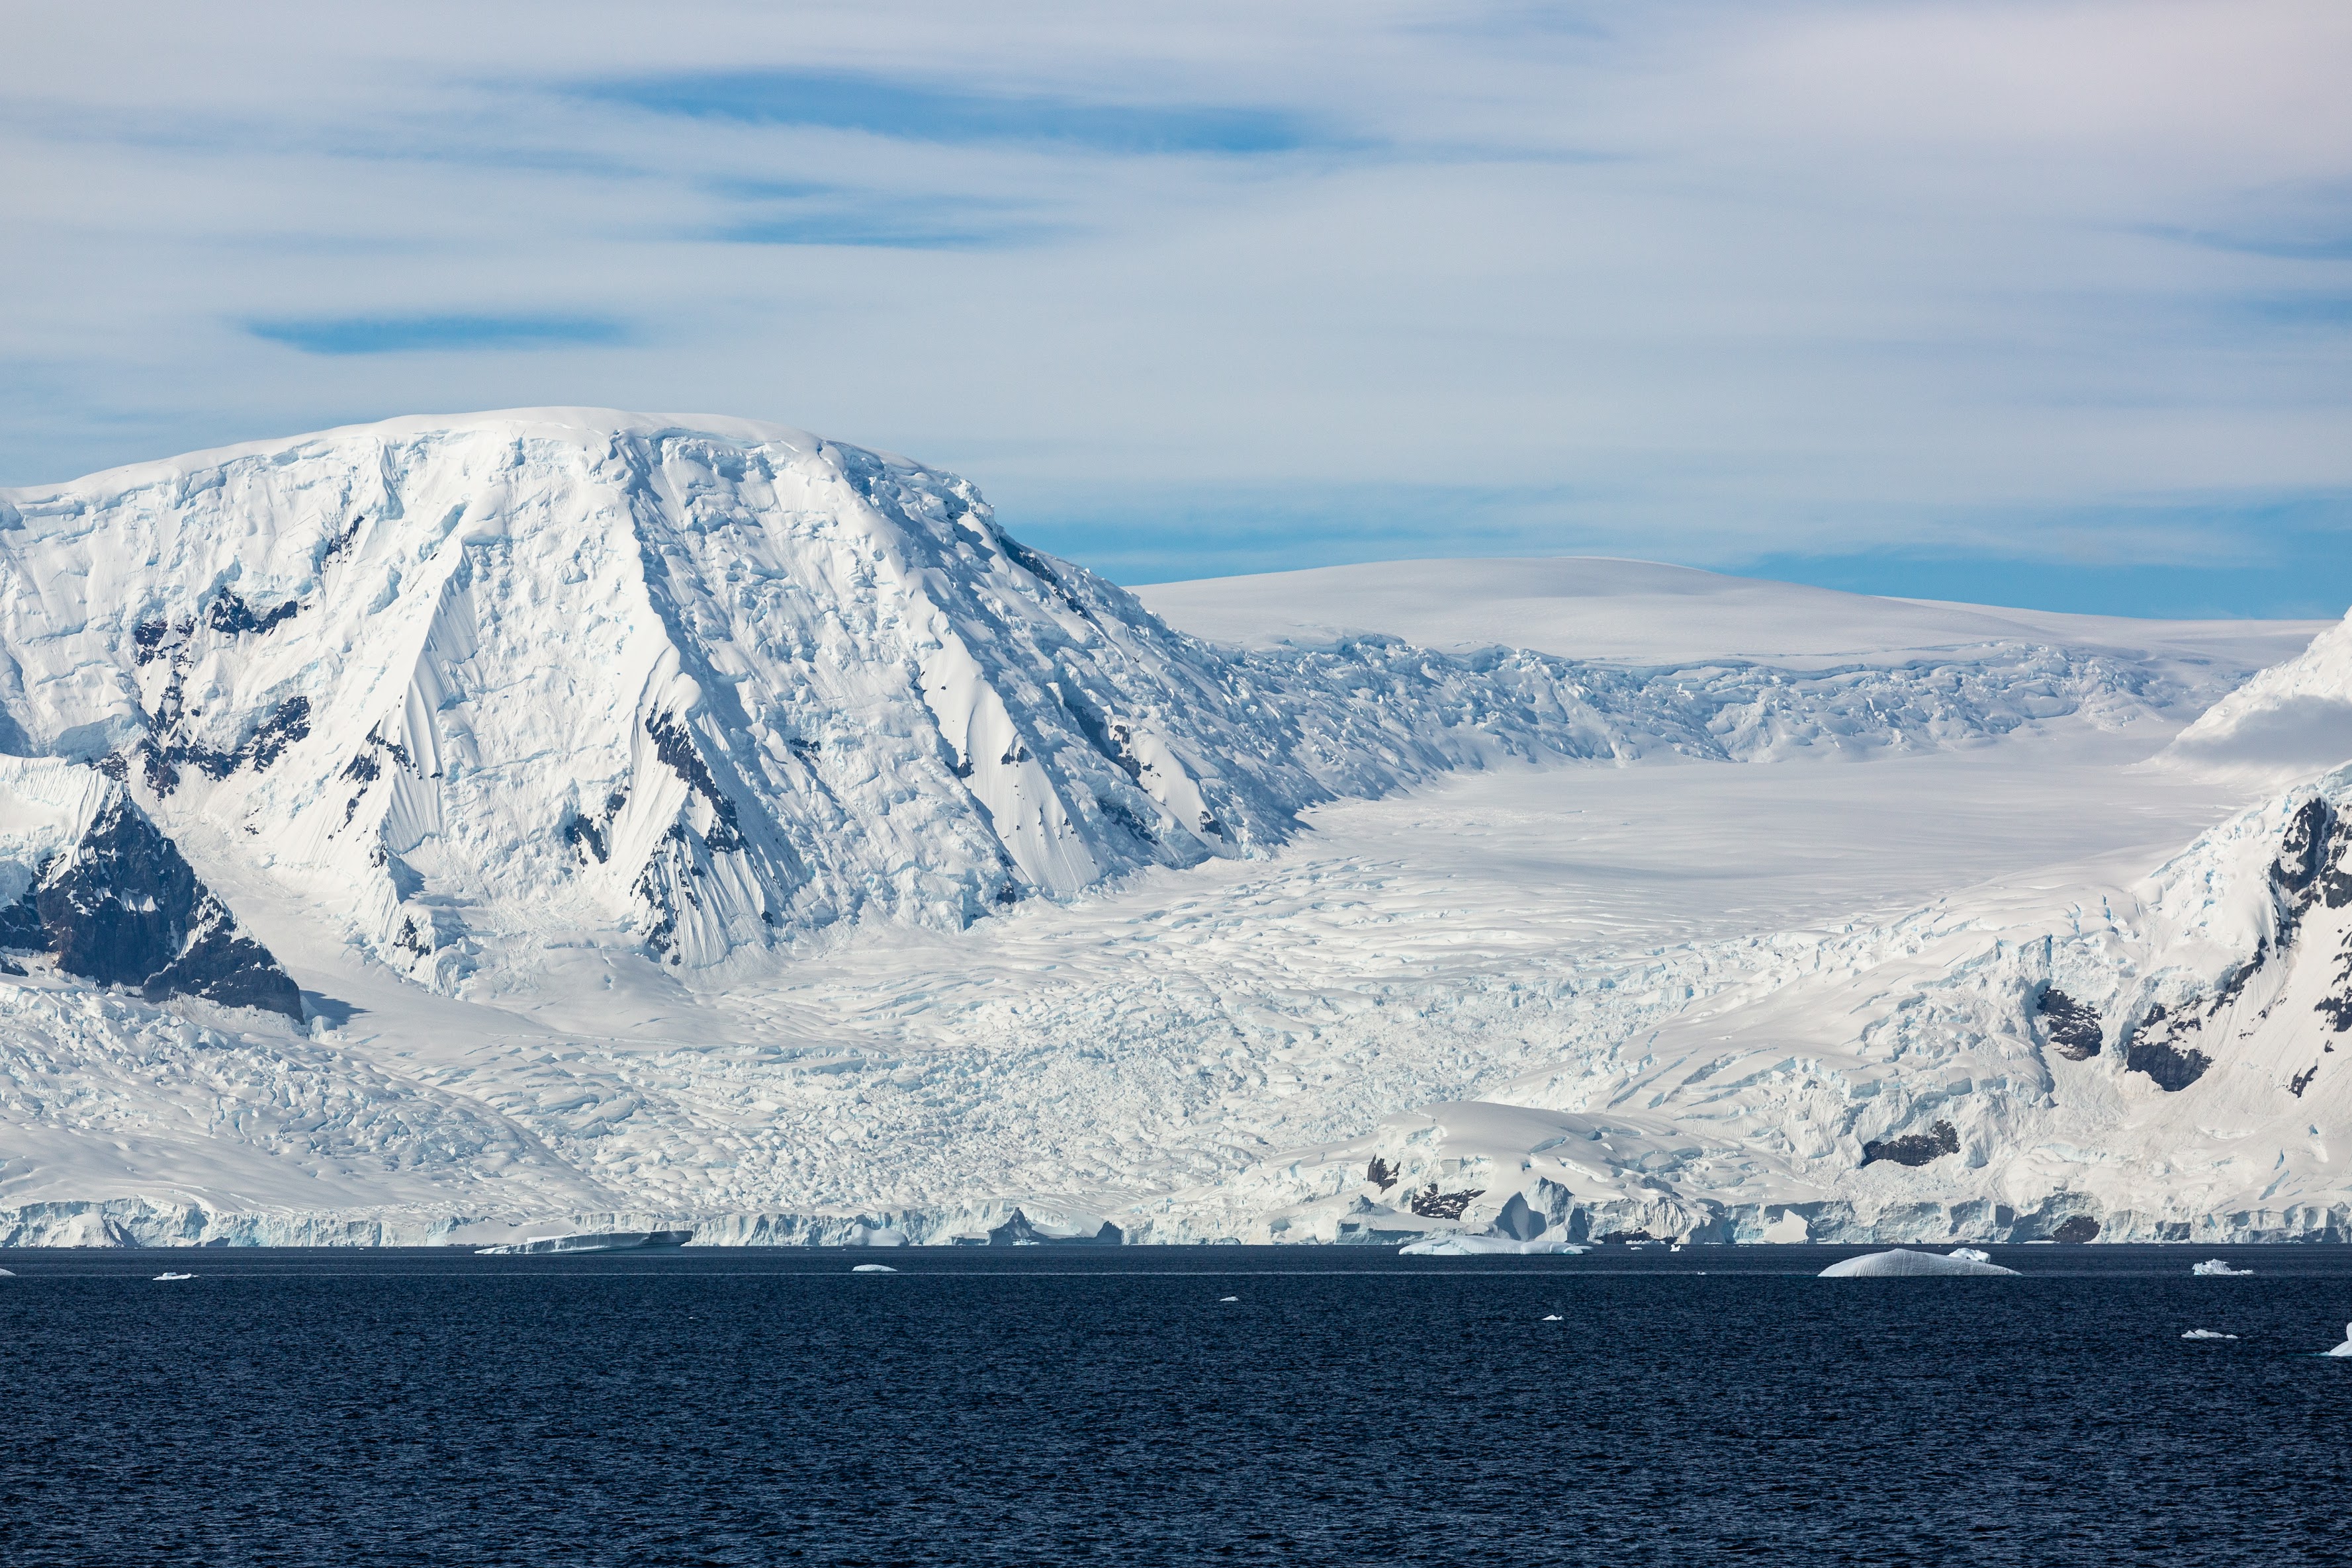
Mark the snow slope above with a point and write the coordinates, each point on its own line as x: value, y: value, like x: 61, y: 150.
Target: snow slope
x: 681, y: 821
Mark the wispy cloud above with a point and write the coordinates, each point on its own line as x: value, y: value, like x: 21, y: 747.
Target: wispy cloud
x: 918, y: 111
x: 345, y: 335
x: 801, y: 212
x: 1230, y: 283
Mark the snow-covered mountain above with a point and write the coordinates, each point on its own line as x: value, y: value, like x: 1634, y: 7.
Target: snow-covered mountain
x: 699, y: 821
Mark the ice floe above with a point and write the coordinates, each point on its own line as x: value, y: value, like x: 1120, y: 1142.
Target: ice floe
x: 2216, y: 1267
x: 873, y: 1268
x: 2206, y: 1334
x: 168, y: 1276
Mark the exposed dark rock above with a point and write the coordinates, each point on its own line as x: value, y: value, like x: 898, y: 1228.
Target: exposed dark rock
x: 1629, y: 1235
x: 2302, y: 1081
x: 233, y: 616
x: 675, y: 745
x: 2073, y: 1028
x: 221, y: 964
x: 1117, y: 812
x: 10, y: 967
x: 580, y: 833
x: 342, y: 540
x: 1381, y: 1174
x: 1431, y: 1203
x: 1109, y: 736
x: 125, y: 909
x: 20, y: 922
x: 2081, y: 1227
x: 2173, y: 1067
x: 1020, y: 1231
x: 1915, y: 1148
x: 1032, y: 563
x: 289, y: 723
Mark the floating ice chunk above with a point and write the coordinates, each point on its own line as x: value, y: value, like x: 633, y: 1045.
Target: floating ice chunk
x: 2344, y: 1349
x: 2216, y: 1267
x: 1552, y: 1318
x: 2206, y: 1334
x: 175, y: 1276
x: 8, y: 1273
x: 1973, y: 1254
x: 1451, y: 1245
x: 872, y: 1269
x: 590, y: 1241
x: 1222, y: 1300
x: 1902, y: 1262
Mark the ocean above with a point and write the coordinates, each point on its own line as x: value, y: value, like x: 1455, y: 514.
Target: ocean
x: 1112, y: 1405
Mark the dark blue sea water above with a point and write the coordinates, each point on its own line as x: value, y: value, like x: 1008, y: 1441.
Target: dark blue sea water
x: 1069, y: 1406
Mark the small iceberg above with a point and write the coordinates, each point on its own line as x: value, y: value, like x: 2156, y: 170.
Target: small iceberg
x: 2215, y: 1268
x: 1973, y: 1254
x: 2346, y: 1348
x: 8, y: 1273
x: 1455, y: 1245
x: 1904, y: 1263
x: 1552, y: 1319
x: 161, y: 1277
x: 588, y: 1242
x: 872, y: 1269
x: 1223, y: 1300
x: 2206, y: 1334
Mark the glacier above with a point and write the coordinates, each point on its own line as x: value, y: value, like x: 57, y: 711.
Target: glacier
x: 581, y: 823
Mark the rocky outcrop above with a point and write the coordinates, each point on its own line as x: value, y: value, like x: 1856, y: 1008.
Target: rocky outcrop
x: 1915, y: 1148
x: 123, y: 907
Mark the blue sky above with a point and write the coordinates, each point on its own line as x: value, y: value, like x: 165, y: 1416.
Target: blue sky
x: 2046, y: 304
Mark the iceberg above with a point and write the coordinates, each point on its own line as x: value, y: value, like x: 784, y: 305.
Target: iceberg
x: 1973, y: 1254
x: 1902, y: 1262
x: 873, y: 1268
x: 2216, y: 1267
x: 2346, y: 1348
x: 1451, y: 1246
x: 2206, y: 1334
x: 162, y: 1276
x: 590, y: 1241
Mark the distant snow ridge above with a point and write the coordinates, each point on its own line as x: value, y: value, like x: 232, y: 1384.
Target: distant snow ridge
x: 706, y: 684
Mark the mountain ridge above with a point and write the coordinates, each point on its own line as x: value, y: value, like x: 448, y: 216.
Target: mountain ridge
x: 647, y: 794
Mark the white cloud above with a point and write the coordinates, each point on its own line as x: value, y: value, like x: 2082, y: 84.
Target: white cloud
x: 1703, y: 281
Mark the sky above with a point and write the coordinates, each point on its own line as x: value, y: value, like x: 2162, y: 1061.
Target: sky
x: 2043, y: 304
